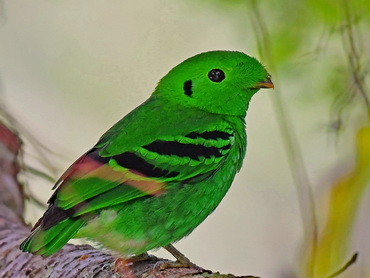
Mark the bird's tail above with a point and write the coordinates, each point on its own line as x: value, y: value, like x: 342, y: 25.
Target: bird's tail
x: 46, y: 242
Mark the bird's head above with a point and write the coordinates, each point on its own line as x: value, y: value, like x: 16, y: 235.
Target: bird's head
x: 220, y: 82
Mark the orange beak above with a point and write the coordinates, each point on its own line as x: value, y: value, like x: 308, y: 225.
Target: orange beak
x: 267, y: 84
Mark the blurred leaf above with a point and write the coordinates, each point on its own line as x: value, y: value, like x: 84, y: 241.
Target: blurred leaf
x: 328, y: 11
x: 351, y: 261
x: 345, y: 197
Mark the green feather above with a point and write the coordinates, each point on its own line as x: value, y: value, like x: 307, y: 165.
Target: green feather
x: 46, y: 242
x: 161, y: 170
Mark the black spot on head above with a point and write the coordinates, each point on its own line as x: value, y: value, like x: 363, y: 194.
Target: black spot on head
x: 216, y: 75
x: 187, y: 88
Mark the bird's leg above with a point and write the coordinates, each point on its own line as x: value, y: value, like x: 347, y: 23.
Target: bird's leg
x: 181, y: 262
x: 180, y: 257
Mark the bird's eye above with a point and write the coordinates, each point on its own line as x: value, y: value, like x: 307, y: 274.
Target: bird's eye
x: 216, y: 75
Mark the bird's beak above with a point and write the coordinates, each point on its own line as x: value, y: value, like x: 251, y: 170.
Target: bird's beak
x: 267, y: 84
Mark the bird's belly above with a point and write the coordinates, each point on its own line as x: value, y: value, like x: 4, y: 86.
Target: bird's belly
x: 144, y: 224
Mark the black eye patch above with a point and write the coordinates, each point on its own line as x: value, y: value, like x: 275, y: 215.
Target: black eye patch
x: 216, y: 75
x: 187, y: 88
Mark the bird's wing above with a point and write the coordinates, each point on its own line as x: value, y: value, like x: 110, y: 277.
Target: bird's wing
x: 147, y: 170
x: 99, y: 179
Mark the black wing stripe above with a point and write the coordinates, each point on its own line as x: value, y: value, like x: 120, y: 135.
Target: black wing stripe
x: 54, y: 215
x: 210, y: 135
x: 227, y: 147
x: 182, y: 150
x: 132, y: 161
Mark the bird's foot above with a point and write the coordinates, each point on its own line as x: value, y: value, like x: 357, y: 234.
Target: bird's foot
x: 143, y: 257
x: 166, y: 269
x: 181, y: 262
x: 162, y: 265
x: 122, y: 267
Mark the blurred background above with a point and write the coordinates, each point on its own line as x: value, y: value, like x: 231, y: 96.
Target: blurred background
x: 299, y: 207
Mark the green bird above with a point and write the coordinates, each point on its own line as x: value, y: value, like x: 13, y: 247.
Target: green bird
x: 160, y: 171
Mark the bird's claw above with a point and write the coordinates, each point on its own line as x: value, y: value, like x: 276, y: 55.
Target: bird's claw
x: 189, y: 268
